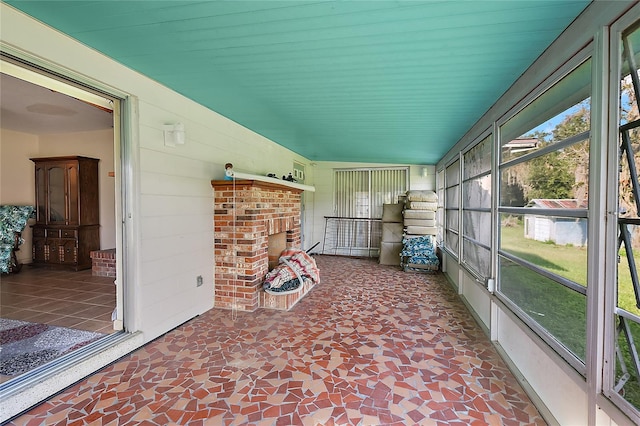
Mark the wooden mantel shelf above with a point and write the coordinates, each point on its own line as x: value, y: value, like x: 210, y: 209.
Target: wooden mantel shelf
x: 245, y: 178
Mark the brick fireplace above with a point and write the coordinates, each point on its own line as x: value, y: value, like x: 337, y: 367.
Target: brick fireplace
x: 262, y: 209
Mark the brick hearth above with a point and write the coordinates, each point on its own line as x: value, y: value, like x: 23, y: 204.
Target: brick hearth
x: 261, y: 209
x: 103, y: 263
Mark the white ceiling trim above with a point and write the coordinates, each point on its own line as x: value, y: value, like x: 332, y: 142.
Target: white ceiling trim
x: 53, y: 84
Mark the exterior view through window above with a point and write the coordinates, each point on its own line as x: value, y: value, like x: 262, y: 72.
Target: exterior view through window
x: 627, y: 311
x: 544, y: 182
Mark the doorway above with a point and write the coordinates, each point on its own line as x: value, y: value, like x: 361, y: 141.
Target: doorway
x: 51, y: 307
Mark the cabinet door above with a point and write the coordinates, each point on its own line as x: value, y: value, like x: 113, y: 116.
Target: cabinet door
x: 53, y: 250
x: 68, y: 252
x: 57, y: 193
x: 73, y: 204
x: 39, y: 250
x: 41, y: 194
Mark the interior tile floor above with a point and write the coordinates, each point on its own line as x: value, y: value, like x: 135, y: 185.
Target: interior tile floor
x: 56, y: 297
x: 369, y: 345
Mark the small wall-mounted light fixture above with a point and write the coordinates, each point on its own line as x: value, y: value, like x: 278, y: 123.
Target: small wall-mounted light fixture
x: 173, y: 134
x: 425, y: 171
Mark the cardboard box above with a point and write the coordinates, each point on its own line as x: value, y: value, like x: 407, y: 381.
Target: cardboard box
x: 390, y: 253
x: 392, y: 232
x: 392, y: 213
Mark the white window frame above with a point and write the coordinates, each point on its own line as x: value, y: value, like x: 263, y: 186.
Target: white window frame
x: 569, y: 66
x: 605, y: 300
x: 481, y: 276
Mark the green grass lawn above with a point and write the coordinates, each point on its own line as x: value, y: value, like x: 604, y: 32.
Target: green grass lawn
x: 559, y: 310
x: 568, y: 261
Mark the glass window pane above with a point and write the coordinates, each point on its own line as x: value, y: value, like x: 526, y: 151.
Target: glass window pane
x: 626, y: 292
x: 453, y: 173
x: 477, y: 257
x: 624, y: 372
x: 56, y: 195
x: 452, y: 220
x: 631, y: 44
x: 547, y: 147
x: 557, y: 175
x: 626, y: 199
x: 477, y: 225
x: 440, y: 211
x: 542, y: 240
x: 559, y: 113
x: 478, y: 159
x: 451, y: 242
x: 558, y: 309
x: 477, y: 193
x: 451, y: 200
x: 440, y: 183
x: 627, y: 335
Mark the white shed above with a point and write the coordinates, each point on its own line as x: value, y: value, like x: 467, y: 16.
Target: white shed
x: 558, y: 230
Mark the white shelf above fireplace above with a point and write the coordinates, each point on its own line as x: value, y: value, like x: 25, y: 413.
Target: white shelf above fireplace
x: 240, y: 175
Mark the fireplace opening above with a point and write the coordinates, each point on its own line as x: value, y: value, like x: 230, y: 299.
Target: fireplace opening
x: 277, y: 243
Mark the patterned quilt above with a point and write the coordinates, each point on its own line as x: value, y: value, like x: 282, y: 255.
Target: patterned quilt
x: 12, y: 219
x: 418, y: 254
x: 292, y: 265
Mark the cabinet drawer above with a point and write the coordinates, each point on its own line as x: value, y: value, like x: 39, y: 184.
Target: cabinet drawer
x: 53, y: 233
x: 38, y: 232
x: 68, y: 233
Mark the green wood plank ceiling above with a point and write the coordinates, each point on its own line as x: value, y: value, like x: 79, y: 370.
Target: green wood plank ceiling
x: 371, y: 81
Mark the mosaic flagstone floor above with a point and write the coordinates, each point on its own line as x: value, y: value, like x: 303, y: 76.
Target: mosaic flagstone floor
x: 369, y: 345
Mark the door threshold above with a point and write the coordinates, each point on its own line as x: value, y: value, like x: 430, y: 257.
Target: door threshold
x: 32, y: 388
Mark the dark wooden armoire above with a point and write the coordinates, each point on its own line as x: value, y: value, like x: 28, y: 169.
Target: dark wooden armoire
x: 67, y: 224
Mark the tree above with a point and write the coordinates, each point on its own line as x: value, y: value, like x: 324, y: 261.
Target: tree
x: 576, y: 156
x: 550, y: 177
x: 629, y: 113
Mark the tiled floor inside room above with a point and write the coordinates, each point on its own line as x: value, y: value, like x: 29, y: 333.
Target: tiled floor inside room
x: 45, y: 314
x: 61, y: 298
x: 369, y: 345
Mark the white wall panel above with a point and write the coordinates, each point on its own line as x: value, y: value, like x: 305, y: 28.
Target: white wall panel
x: 155, y: 226
x: 477, y: 297
x: 169, y: 163
x: 451, y: 269
x: 164, y: 184
x: 561, y: 390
